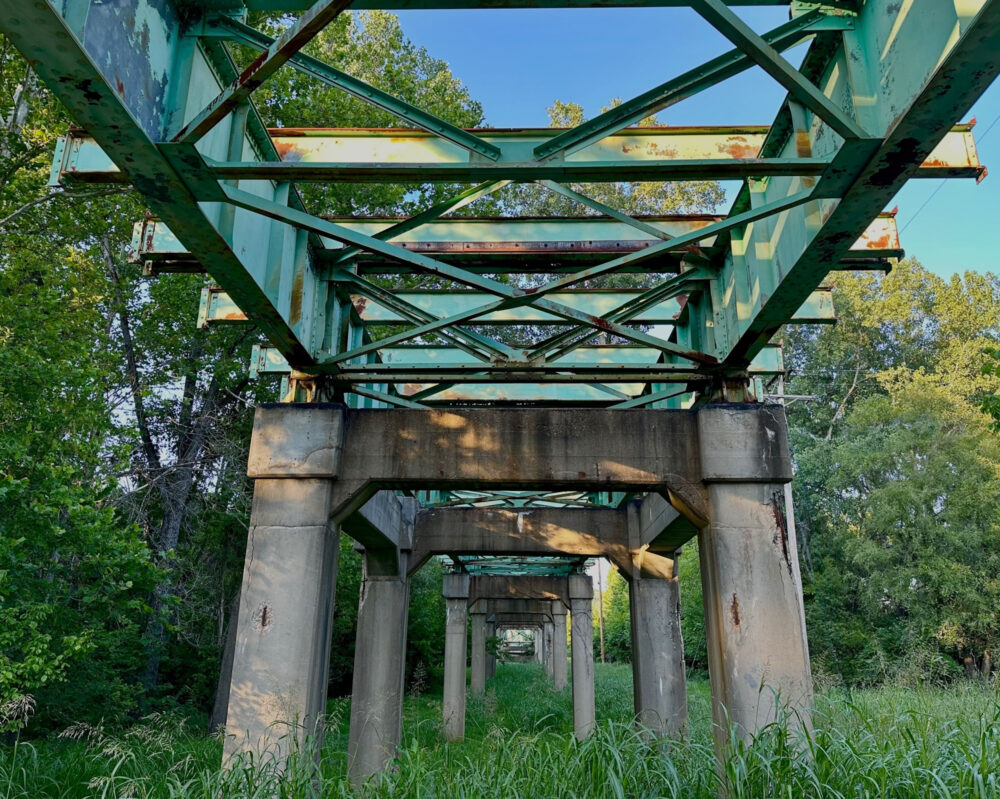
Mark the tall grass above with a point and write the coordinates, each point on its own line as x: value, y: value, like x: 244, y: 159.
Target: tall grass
x: 879, y: 743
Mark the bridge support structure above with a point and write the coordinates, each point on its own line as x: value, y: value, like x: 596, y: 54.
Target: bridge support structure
x: 724, y: 465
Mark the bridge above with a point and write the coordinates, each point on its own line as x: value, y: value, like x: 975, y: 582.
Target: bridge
x: 514, y: 395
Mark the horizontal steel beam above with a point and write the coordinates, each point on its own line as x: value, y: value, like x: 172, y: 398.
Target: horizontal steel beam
x: 447, y: 373
x: 494, y: 240
x: 421, y: 5
x: 392, y: 154
x: 217, y: 307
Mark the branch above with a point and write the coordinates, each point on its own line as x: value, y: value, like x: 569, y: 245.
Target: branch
x: 148, y: 445
x: 843, y: 402
x: 58, y: 192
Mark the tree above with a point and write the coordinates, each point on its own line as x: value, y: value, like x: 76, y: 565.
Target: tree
x: 73, y: 574
x: 896, y: 553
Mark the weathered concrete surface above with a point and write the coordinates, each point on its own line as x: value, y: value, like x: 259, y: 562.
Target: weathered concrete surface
x: 662, y: 528
x: 589, y: 532
x: 548, y: 632
x: 477, y: 679
x: 577, y: 448
x: 744, y: 444
x: 456, y: 594
x: 383, y: 526
x: 757, y: 652
x: 296, y: 441
x: 560, y: 662
x: 379, y: 672
x: 658, y: 678
x: 519, y: 621
x: 278, y: 692
x: 517, y: 588
x: 497, y: 607
x: 491, y: 658
x: 581, y: 594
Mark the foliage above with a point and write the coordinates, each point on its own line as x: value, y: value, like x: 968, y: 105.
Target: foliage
x: 617, y: 626
x: 897, y: 477
x: 73, y: 574
x: 123, y: 428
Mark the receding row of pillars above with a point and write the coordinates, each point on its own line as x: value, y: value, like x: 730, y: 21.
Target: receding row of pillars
x: 550, y: 649
x: 728, y: 462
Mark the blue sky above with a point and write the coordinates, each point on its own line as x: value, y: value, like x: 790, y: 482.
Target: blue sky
x: 516, y: 62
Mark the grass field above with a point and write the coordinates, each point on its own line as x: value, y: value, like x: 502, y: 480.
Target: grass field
x: 889, y: 742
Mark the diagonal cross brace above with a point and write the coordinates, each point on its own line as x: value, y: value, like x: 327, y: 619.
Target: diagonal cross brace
x: 511, y: 297
x: 321, y: 14
x: 358, y: 88
x: 771, y: 61
x: 434, y: 212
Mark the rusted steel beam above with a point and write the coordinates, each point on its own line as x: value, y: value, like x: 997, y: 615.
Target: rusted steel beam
x: 643, y: 150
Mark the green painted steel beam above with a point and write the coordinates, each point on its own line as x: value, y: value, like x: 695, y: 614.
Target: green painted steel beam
x: 617, y: 170
x: 502, y: 239
x: 269, y: 360
x: 926, y: 72
x: 509, y: 296
x: 771, y: 61
x: 218, y: 307
x: 278, y: 52
x: 636, y: 148
x: 126, y: 123
x: 424, y: 5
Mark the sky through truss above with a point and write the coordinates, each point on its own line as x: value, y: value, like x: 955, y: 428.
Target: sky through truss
x: 516, y: 62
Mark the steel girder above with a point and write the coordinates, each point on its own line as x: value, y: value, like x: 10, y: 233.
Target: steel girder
x: 873, y: 103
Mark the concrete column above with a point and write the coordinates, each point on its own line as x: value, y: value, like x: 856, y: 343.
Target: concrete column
x: 277, y: 696
x: 477, y: 680
x: 456, y: 595
x: 539, y: 635
x: 757, y: 652
x: 379, y: 672
x: 547, y: 636
x: 560, y: 663
x: 658, y: 678
x: 491, y: 658
x: 581, y: 595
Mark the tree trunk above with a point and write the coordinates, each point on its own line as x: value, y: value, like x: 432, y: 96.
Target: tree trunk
x: 969, y: 663
x: 221, y: 707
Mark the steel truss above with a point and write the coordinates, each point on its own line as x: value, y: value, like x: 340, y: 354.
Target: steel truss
x: 165, y: 108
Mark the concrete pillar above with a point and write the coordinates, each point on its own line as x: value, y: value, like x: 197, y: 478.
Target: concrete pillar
x: 757, y: 652
x: 581, y: 595
x: 491, y: 658
x: 379, y: 672
x: 547, y: 636
x: 658, y: 679
x: 277, y: 696
x: 539, y: 636
x: 477, y: 681
x: 560, y: 662
x: 456, y: 596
